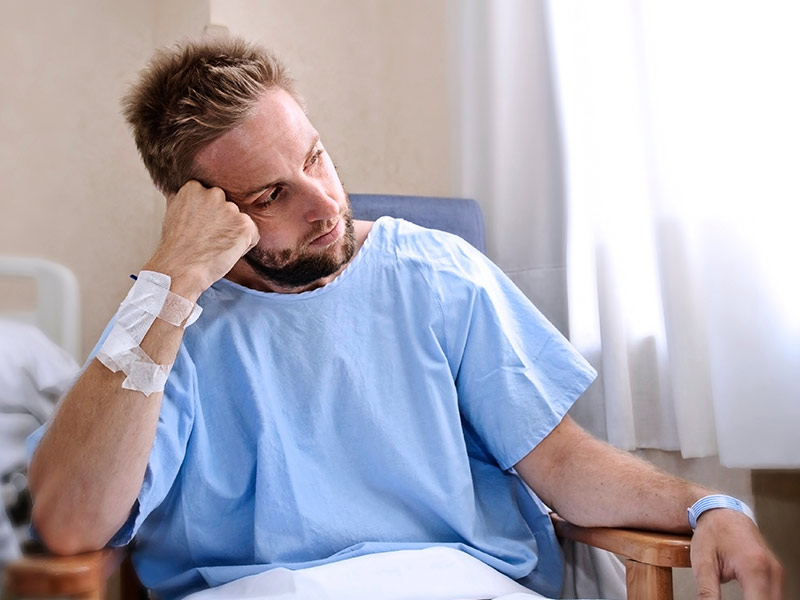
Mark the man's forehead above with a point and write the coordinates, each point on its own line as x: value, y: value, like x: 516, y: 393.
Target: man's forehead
x: 276, y: 136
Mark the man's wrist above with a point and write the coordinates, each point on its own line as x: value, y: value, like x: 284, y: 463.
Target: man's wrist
x: 182, y: 282
x: 715, y: 501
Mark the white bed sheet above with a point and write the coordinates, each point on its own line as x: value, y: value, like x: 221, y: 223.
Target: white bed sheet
x: 437, y: 573
x: 34, y: 372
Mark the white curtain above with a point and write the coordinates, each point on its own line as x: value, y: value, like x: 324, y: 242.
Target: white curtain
x: 681, y: 129
x: 653, y: 182
x: 507, y: 143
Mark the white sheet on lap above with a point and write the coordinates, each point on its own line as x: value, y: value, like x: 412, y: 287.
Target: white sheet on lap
x: 430, y: 574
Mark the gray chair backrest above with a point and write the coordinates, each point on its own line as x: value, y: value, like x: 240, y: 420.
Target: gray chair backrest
x: 461, y: 216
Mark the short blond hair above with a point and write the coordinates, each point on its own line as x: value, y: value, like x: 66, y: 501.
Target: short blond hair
x: 191, y: 94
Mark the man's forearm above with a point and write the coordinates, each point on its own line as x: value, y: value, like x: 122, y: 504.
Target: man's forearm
x: 89, y: 467
x: 591, y: 483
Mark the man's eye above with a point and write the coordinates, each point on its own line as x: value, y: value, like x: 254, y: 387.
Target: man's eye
x: 267, y: 199
x: 315, y: 157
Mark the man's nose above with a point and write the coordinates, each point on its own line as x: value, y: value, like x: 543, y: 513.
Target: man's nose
x: 318, y: 205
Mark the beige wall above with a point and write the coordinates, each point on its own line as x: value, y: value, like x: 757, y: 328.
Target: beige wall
x: 73, y: 188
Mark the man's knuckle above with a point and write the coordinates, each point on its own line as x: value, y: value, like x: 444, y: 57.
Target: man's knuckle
x: 760, y: 565
x: 705, y: 592
x: 229, y: 210
x: 217, y: 194
x: 191, y: 188
x: 777, y: 570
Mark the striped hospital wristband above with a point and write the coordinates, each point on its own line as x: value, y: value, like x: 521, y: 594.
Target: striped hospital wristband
x: 717, y: 501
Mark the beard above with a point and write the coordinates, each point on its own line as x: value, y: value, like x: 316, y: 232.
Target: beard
x: 279, y: 267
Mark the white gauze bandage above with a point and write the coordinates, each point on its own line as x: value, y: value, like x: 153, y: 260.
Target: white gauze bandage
x: 147, y: 300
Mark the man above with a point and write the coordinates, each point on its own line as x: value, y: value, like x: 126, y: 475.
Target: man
x: 350, y: 388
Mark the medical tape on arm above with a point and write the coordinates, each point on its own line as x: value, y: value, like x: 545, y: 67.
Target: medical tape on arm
x: 148, y: 299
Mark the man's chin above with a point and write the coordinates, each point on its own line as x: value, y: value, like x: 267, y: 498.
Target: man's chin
x: 308, y: 268
x: 299, y: 273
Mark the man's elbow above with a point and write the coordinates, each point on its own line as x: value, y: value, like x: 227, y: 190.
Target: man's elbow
x: 66, y: 536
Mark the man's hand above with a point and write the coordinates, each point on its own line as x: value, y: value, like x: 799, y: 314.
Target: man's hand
x: 727, y: 545
x: 203, y: 236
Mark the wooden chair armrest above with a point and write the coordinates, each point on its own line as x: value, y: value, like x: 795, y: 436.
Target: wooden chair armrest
x: 648, y: 547
x: 79, y: 576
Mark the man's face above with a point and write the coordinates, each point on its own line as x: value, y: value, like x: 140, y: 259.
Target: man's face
x: 274, y: 167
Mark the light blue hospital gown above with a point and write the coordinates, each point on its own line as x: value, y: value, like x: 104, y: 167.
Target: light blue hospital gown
x: 380, y: 412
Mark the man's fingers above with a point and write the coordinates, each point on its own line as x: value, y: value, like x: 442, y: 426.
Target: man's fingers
x: 758, y: 572
x: 190, y: 188
x: 708, y: 588
x: 252, y: 229
x: 777, y: 574
x: 706, y: 574
x: 762, y: 578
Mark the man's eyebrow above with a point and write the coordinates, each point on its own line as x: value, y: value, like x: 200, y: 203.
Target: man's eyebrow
x: 266, y: 186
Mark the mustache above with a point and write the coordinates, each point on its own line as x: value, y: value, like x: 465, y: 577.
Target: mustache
x: 346, y: 214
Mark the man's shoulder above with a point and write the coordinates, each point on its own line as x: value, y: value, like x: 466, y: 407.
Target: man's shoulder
x: 445, y: 262
x: 411, y: 241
